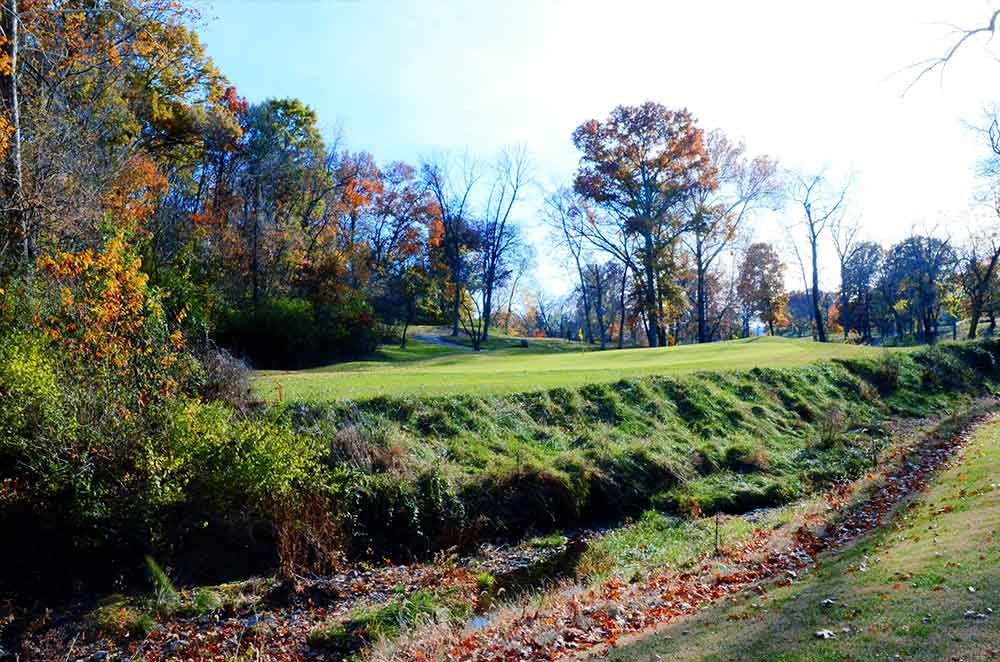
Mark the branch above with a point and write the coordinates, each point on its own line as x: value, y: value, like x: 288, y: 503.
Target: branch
x: 929, y: 65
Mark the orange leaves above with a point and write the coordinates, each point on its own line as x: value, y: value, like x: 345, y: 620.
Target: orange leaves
x: 134, y: 195
x: 106, y: 320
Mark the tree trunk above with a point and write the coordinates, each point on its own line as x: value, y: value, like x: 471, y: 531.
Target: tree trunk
x: 702, y: 326
x: 599, y: 306
x: 845, y: 318
x: 588, y: 328
x: 977, y: 311
x: 456, y: 304
x: 867, y: 330
x: 700, y: 302
x: 817, y: 314
x: 411, y: 306
x: 621, y: 328
x: 510, y: 304
x: 487, y: 308
x: 254, y: 259
x: 13, y: 180
x: 652, y: 328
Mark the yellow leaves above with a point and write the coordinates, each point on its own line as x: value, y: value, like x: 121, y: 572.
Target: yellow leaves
x: 5, y: 60
x: 106, y: 317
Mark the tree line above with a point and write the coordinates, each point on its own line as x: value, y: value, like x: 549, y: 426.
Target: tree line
x: 290, y: 249
x: 658, y: 226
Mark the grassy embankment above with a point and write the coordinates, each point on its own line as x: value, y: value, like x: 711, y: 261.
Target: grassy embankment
x: 428, y: 472
x: 927, y: 587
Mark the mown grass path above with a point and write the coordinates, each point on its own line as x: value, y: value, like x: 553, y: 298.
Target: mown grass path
x: 428, y: 369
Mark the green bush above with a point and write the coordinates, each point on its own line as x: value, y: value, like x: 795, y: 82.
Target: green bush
x: 33, y: 420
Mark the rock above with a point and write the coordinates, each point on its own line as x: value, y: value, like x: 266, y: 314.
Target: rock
x: 612, y: 609
x: 547, y: 638
x: 825, y: 634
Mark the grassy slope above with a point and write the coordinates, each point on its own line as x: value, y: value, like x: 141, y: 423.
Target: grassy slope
x: 910, y: 601
x: 424, y: 369
x: 425, y: 472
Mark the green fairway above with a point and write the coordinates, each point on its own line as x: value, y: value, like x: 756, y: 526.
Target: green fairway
x: 427, y: 369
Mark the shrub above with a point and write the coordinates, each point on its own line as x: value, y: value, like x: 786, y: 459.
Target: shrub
x: 742, y: 457
x: 889, y: 372
x: 118, y: 619
x: 32, y: 419
x: 226, y: 378
x: 831, y: 429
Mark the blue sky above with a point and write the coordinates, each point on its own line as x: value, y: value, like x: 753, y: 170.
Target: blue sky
x: 809, y: 83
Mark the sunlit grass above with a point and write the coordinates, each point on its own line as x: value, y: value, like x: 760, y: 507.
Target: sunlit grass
x: 426, y: 369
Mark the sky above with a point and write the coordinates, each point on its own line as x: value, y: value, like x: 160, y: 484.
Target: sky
x: 818, y: 86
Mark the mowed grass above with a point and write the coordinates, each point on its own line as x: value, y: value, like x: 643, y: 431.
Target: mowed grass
x: 926, y: 587
x: 427, y: 369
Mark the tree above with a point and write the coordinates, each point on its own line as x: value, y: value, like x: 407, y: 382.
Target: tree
x: 90, y: 92
x: 821, y: 206
x: 641, y: 165
x: 761, y: 285
x: 860, y: 273
x: 283, y: 144
x: 917, y: 269
x: 976, y: 270
x: 452, y: 187
x: 845, y: 241
x: 799, y: 311
x: 522, y: 266
x: 564, y: 214
x: 718, y: 210
x: 499, y: 239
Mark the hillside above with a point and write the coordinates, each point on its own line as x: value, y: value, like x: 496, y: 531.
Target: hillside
x: 426, y: 369
x: 460, y: 509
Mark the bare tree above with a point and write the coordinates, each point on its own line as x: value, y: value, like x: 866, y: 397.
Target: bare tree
x: 498, y: 237
x: 452, y: 185
x: 562, y: 211
x: 977, y: 266
x: 521, y: 268
x: 845, y: 241
x: 472, y: 321
x: 610, y: 235
x: 822, y: 204
x: 718, y: 212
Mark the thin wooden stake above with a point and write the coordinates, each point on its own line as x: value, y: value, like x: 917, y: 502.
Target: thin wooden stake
x: 717, y: 552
